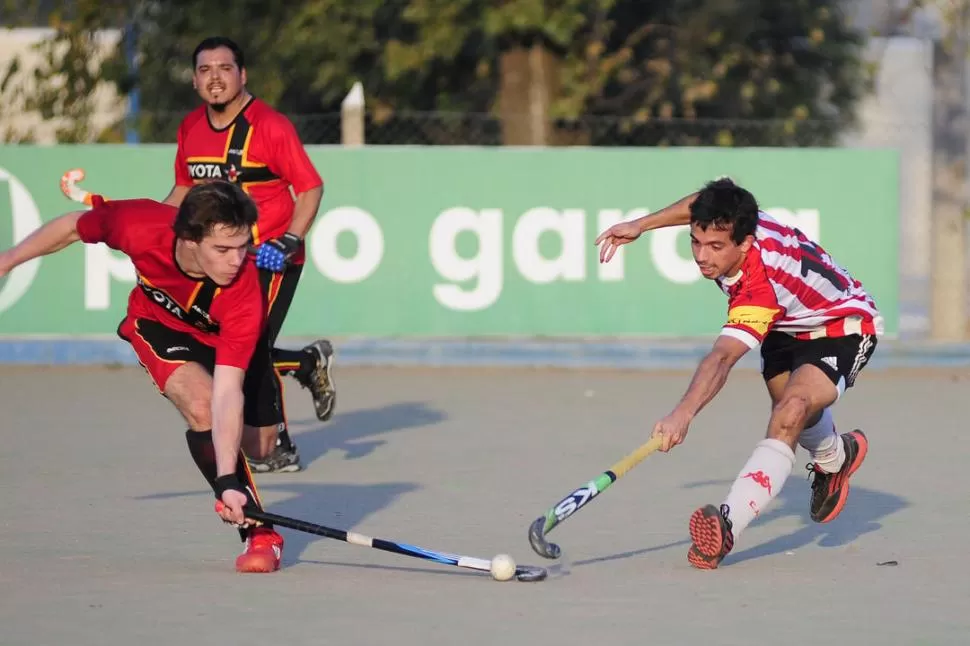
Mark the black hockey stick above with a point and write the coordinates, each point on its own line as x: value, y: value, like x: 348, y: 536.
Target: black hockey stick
x: 527, y: 573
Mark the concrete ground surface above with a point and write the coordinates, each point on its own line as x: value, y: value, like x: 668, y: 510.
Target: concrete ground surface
x: 107, y: 534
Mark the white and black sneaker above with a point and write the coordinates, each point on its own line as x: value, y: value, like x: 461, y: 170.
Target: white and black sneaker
x: 319, y: 381
x: 283, y: 459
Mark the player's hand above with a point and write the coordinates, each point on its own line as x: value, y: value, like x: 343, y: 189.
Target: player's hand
x: 275, y: 254
x: 672, y: 429
x: 231, y: 500
x: 230, y: 508
x: 615, y: 237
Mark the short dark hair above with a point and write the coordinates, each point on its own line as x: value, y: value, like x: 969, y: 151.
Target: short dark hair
x: 215, y: 42
x: 724, y: 204
x: 210, y: 204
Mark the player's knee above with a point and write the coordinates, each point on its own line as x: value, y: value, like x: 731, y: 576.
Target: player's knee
x: 195, y: 406
x: 198, y: 411
x: 190, y: 390
x: 789, y: 416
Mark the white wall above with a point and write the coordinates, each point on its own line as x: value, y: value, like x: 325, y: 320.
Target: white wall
x: 899, y: 115
x: 17, y: 42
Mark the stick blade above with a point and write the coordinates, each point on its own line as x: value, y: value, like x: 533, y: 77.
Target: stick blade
x: 530, y: 573
x: 538, y: 541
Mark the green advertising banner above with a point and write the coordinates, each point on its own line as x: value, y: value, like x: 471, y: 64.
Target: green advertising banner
x: 471, y: 242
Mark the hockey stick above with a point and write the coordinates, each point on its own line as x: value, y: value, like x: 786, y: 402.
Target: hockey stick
x: 526, y: 573
x: 70, y: 188
x: 581, y: 497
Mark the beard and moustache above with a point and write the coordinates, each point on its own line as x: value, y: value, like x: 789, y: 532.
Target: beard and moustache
x: 222, y: 105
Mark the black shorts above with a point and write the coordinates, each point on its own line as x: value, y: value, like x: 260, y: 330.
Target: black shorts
x: 840, y: 358
x: 279, y: 289
x: 162, y: 350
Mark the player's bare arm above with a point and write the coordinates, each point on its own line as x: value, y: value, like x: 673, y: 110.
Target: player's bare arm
x: 50, y: 238
x: 708, y: 379
x: 305, y: 211
x: 623, y: 233
x: 176, y: 195
x: 227, y: 429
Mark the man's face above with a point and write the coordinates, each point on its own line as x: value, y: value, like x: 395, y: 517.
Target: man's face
x: 217, y: 78
x: 222, y: 253
x: 715, y: 253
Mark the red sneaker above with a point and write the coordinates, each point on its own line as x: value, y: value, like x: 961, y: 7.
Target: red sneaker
x: 711, y: 537
x: 831, y: 490
x: 264, y: 549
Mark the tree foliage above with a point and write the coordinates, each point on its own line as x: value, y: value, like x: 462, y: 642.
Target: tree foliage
x: 702, y: 72
x: 62, y: 86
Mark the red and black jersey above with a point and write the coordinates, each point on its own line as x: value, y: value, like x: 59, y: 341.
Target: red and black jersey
x: 260, y: 150
x: 229, y: 319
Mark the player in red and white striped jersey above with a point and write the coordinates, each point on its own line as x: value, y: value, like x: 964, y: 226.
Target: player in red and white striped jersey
x: 793, y: 285
x: 817, y: 328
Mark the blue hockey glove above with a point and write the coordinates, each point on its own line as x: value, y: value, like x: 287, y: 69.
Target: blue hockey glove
x: 276, y: 253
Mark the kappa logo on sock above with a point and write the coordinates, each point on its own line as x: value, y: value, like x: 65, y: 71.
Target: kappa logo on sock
x: 761, y: 478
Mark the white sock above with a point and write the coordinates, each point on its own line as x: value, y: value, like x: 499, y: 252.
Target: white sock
x: 824, y: 444
x: 759, y: 482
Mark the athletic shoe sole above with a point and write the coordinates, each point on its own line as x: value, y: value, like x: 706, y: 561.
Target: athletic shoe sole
x: 711, y: 541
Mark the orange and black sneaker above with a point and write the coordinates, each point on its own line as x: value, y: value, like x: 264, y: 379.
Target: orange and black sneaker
x: 830, y: 490
x: 264, y: 549
x: 710, y: 531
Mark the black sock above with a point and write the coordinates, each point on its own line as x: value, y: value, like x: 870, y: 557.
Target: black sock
x: 293, y: 362
x: 203, y: 452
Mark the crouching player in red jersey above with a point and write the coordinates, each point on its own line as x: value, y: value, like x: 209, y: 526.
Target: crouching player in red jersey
x: 817, y: 328
x: 196, y: 320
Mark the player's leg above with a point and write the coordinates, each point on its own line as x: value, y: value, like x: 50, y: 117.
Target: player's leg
x: 826, y: 447
x: 264, y: 409
x: 189, y: 388
x: 285, y: 456
x: 311, y: 366
x: 819, y: 437
x: 181, y: 368
x: 835, y: 458
x: 818, y: 373
x: 713, y: 529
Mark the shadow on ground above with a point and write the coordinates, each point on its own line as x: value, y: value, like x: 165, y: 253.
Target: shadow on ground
x: 333, y: 505
x: 336, y: 505
x: 863, y: 512
x: 359, y: 433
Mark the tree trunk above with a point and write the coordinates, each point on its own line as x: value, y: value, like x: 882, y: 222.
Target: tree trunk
x: 529, y: 83
x: 948, y: 312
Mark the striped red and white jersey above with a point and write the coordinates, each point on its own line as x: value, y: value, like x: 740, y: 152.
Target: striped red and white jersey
x: 789, y: 284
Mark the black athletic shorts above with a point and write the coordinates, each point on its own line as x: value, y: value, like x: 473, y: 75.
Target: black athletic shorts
x: 161, y: 350
x: 841, y: 358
